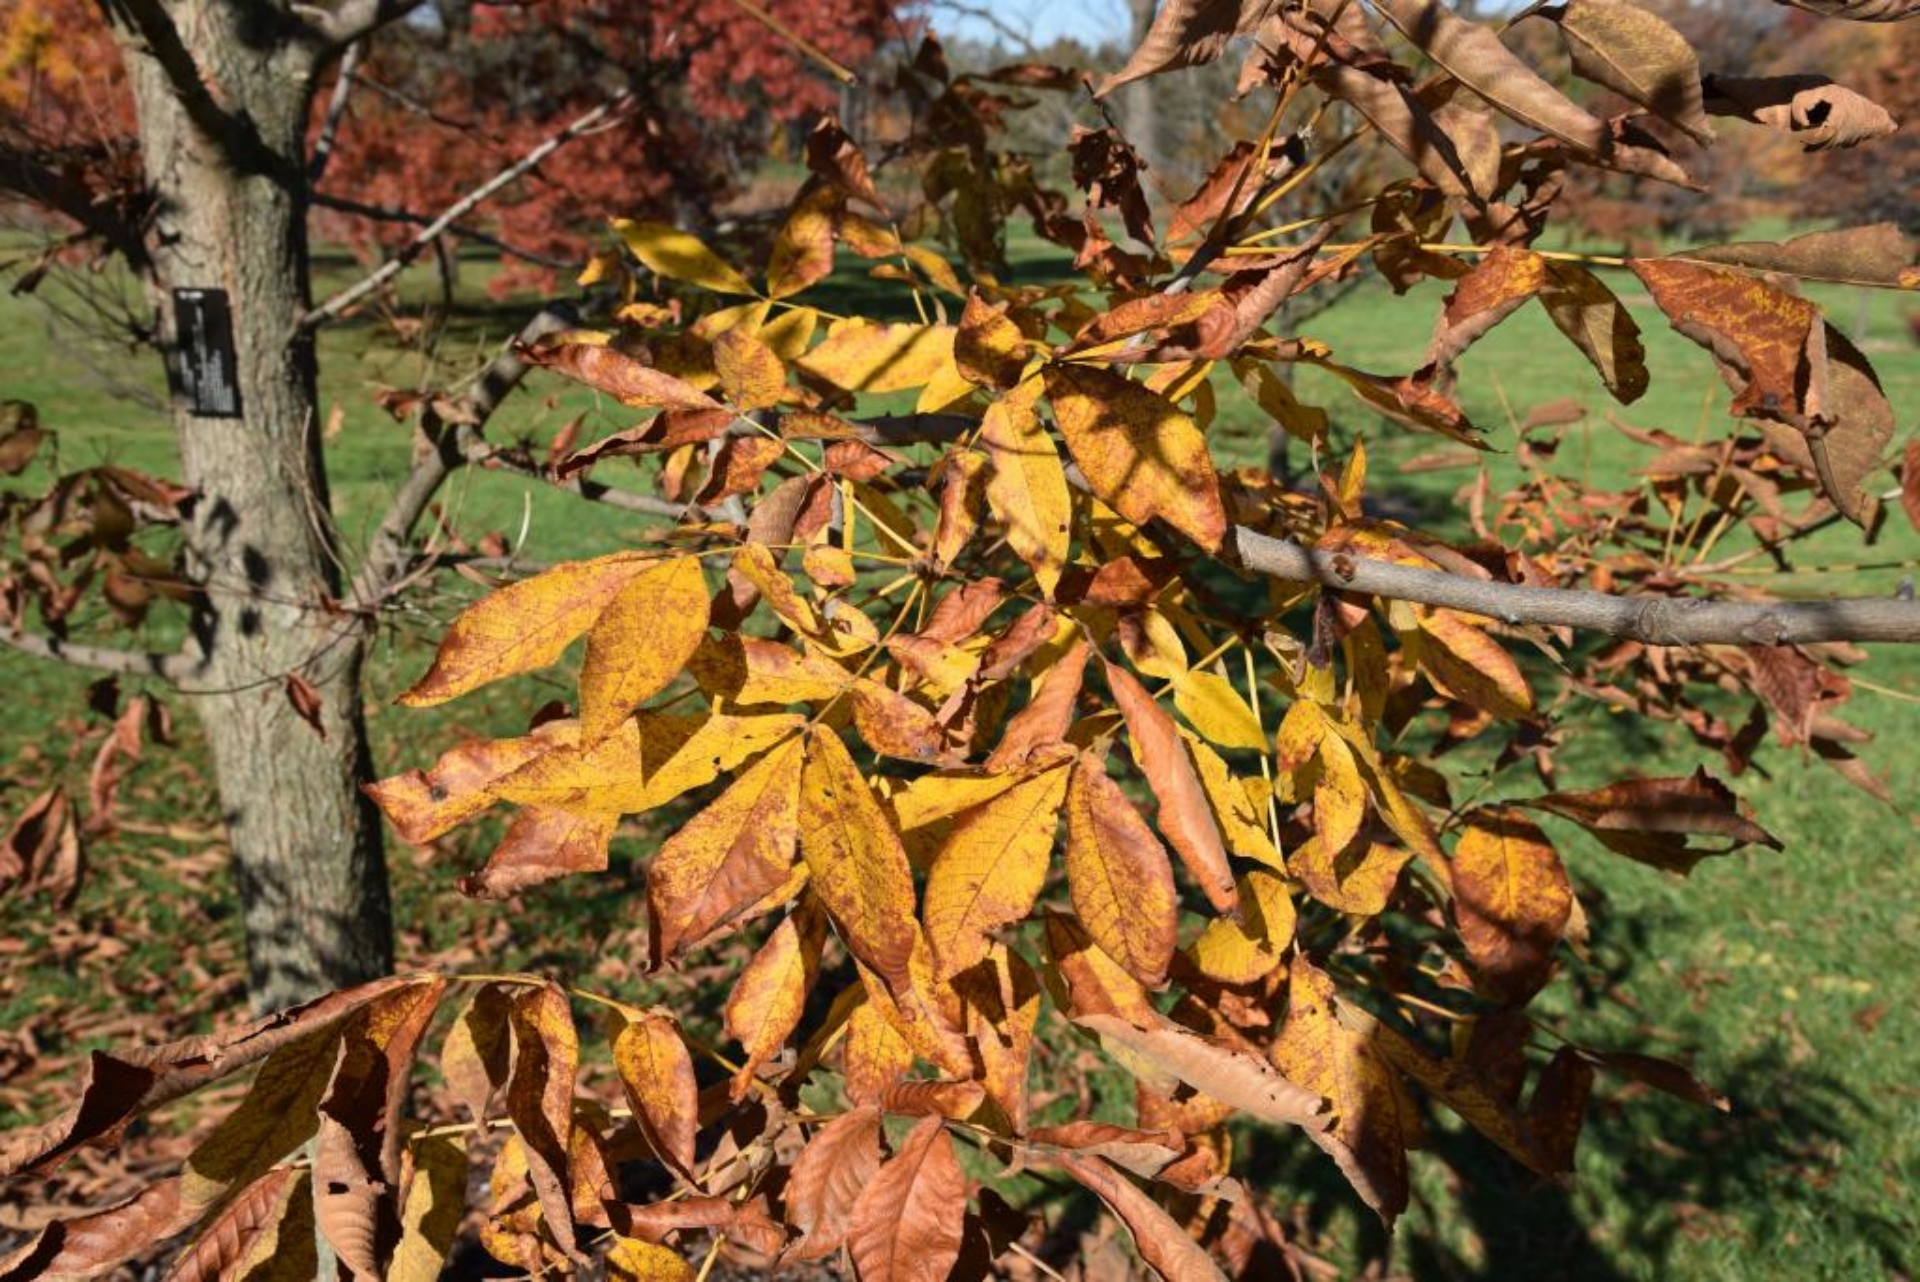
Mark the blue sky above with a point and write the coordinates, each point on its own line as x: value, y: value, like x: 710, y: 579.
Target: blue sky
x: 1090, y: 21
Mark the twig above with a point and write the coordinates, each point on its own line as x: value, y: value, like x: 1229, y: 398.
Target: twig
x: 347, y: 297
x: 798, y: 41
x: 336, y: 112
x: 466, y: 231
x: 169, y: 667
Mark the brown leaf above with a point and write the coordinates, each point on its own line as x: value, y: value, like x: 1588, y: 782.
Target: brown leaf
x: 1511, y: 900
x: 828, y: 1177
x: 1474, y: 55
x: 907, y: 1222
x: 423, y: 805
x: 1879, y: 255
x: 243, y: 1232
x: 1661, y: 1074
x: 1597, y: 323
x: 540, y: 1082
x: 834, y: 155
x: 1166, y: 1247
x: 1189, y: 33
x: 1861, y: 10
x: 1651, y: 819
x: 1043, y: 723
x: 627, y: 380
x: 1225, y: 1073
x: 895, y: 726
x: 1818, y: 113
x: 306, y: 702
x: 356, y: 1164
x: 1639, y: 56
x: 1495, y: 289
x: 1185, y: 817
x: 93, y: 1245
x: 543, y: 843
x: 20, y: 436
x: 42, y: 851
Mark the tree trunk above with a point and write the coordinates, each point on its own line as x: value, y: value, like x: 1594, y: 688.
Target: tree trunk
x: 227, y: 164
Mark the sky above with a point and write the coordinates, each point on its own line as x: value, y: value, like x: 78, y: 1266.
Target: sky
x: 1090, y: 21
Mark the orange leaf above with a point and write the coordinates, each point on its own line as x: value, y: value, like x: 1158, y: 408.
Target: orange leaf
x: 1185, y: 817
x: 726, y: 859
x: 1511, y: 900
x: 1027, y: 487
x: 907, y: 1222
x: 838, y: 1163
x: 640, y: 642
x: 767, y: 998
x: 657, y: 1072
x: 1166, y: 1246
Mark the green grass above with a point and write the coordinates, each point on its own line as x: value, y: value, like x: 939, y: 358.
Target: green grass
x: 1786, y: 977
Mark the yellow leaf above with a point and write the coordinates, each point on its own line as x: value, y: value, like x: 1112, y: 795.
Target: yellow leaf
x: 990, y: 869
x: 1118, y: 875
x: 1250, y: 949
x: 1240, y: 811
x: 1139, y: 453
x: 1027, y: 487
x: 435, y: 1205
x: 859, y: 867
x: 1359, y: 880
x: 877, y: 1053
x: 640, y: 642
x: 1374, y: 1120
x: 645, y: 762
x: 770, y: 993
x: 751, y: 374
x: 803, y: 251
x: 750, y: 671
x: 1511, y: 900
x: 635, y: 1260
x: 1086, y: 978
x: 672, y: 252
x: 789, y: 333
x: 1339, y: 796
x: 725, y: 860
x: 1213, y: 707
x: 864, y: 356
x: 523, y: 626
x: 989, y: 348
x: 657, y: 1072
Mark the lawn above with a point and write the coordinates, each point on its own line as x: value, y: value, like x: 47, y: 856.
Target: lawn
x: 1784, y: 977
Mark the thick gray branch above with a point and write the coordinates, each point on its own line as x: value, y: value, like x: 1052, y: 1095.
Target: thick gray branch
x: 1655, y: 620
x: 169, y: 667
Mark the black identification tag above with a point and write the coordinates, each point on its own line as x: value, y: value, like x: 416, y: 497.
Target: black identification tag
x: 205, y: 368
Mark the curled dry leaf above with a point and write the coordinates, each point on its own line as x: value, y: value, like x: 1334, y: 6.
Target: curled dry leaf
x: 1232, y: 1076
x: 1652, y: 820
x: 1163, y: 1243
x: 1814, y: 110
x: 1638, y: 55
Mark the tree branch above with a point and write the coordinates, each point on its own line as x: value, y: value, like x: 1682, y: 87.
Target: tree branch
x: 168, y: 667
x: 347, y: 297
x: 448, y: 445
x: 336, y: 112
x: 357, y: 19
x: 1652, y: 619
x: 466, y: 231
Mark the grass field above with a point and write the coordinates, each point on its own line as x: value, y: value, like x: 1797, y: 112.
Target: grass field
x: 1786, y: 978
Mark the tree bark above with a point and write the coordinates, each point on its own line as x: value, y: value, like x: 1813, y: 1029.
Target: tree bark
x: 223, y: 91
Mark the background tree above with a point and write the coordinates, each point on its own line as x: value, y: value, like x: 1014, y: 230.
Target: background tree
x: 187, y: 138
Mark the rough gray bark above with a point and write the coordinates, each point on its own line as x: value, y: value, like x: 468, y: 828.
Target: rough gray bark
x: 222, y: 91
